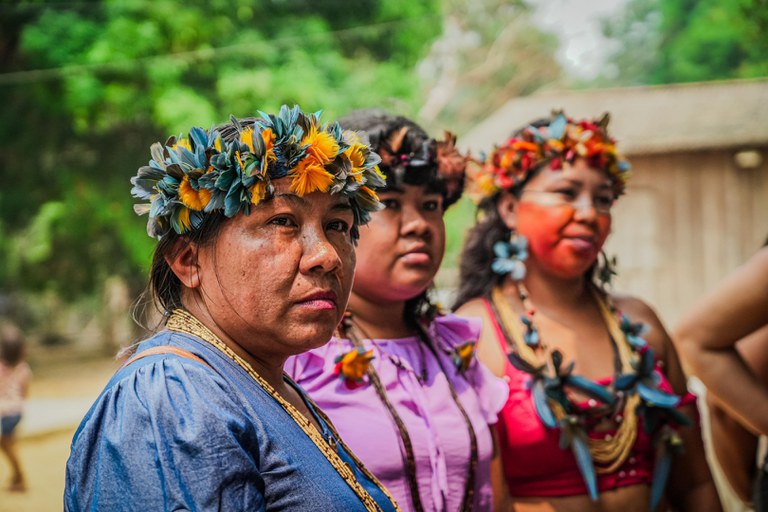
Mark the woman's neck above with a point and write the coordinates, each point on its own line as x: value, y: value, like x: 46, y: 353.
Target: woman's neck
x: 549, y: 292
x: 270, y: 369
x: 377, y: 319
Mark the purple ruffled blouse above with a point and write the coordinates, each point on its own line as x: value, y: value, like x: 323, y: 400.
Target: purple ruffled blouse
x: 437, y: 429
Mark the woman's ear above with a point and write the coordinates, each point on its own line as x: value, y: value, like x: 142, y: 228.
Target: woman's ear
x: 507, y: 208
x: 183, y: 262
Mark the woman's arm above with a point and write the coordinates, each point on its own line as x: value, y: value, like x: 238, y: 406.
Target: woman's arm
x: 707, y: 337
x: 735, y: 448
x: 690, y: 487
x: 734, y: 445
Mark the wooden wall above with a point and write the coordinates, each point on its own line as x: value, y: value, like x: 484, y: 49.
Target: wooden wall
x: 687, y: 220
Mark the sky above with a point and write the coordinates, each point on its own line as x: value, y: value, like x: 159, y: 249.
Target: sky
x: 583, y: 49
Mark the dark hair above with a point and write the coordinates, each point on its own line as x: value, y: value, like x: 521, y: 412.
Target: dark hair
x: 11, y: 344
x: 476, y: 278
x: 409, y: 155
x: 380, y: 127
x: 163, y: 291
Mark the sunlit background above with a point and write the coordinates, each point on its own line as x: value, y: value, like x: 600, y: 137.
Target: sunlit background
x: 86, y: 87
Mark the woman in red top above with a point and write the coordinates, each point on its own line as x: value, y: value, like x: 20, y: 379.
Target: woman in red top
x: 596, y: 413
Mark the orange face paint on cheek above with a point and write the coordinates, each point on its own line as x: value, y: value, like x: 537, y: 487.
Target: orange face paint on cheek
x: 541, y: 225
x: 544, y: 227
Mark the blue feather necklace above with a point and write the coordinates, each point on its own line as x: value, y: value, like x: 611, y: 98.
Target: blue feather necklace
x: 633, y: 389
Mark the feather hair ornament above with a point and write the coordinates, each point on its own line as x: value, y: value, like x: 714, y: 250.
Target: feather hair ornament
x: 520, y: 157
x: 231, y: 168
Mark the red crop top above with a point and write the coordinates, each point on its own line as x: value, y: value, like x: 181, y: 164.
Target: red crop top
x: 534, y: 463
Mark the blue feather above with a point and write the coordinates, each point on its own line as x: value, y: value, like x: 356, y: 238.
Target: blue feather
x: 150, y: 172
x: 660, y: 476
x: 142, y: 189
x: 647, y: 362
x: 158, y: 205
x: 590, y: 388
x: 198, y: 136
x: 625, y: 381
x: 224, y: 180
x: 657, y: 397
x: 539, y: 397
x: 521, y: 364
x: 531, y: 338
x: 636, y: 341
x: 232, y: 202
x: 586, y: 466
x: 556, y: 128
x: 679, y: 417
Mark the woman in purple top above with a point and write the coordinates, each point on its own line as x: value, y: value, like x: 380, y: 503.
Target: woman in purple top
x: 401, y: 381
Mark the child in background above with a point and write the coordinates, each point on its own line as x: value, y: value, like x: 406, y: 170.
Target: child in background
x: 14, y: 380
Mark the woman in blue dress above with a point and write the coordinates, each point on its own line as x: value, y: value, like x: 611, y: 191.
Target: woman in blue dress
x: 256, y: 222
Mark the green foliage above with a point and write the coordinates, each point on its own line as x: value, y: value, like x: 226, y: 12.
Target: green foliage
x: 668, y: 41
x: 458, y: 219
x: 90, y: 85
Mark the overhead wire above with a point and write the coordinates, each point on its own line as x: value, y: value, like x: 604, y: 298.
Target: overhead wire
x: 37, y: 75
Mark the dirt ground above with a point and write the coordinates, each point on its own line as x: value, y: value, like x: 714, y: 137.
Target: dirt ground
x: 43, y: 458
x: 44, y: 454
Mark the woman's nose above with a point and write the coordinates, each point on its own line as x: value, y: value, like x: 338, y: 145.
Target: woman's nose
x: 414, y: 223
x: 319, y: 254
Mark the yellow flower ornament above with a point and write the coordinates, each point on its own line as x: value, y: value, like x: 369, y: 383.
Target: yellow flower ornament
x: 352, y: 366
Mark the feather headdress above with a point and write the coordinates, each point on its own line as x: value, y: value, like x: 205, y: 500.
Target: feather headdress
x: 230, y: 169
x: 513, y: 163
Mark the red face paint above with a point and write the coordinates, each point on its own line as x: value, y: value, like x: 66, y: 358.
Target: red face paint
x: 562, y: 240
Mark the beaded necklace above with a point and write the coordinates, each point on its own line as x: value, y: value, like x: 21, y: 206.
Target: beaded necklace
x: 609, y: 453
x: 350, y: 327
x: 182, y: 321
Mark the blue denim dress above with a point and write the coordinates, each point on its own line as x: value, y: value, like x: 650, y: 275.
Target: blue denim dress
x: 169, y: 433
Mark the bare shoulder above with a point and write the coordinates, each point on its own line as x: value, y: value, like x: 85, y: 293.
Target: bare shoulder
x: 640, y: 311
x: 635, y: 308
x: 473, y: 308
x: 489, y: 350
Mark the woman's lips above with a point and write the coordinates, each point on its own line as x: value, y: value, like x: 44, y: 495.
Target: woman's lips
x: 320, y: 301
x: 580, y: 244
x: 419, y: 257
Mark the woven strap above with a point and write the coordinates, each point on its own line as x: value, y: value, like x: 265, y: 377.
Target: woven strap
x: 165, y: 349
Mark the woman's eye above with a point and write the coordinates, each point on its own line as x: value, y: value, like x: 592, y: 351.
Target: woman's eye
x: 341, y: 226
x: 432, y: 205
x: 283, y: 220
x: 390, y: 203
x: 604, y: 201
x: 567, y: 193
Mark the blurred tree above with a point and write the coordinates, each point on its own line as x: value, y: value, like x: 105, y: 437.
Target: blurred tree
x: 668, y: 41
x: 89, y: 85
x: 489, y: 52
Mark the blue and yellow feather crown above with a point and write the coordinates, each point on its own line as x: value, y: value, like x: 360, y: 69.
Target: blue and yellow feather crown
x: 230, y: 169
